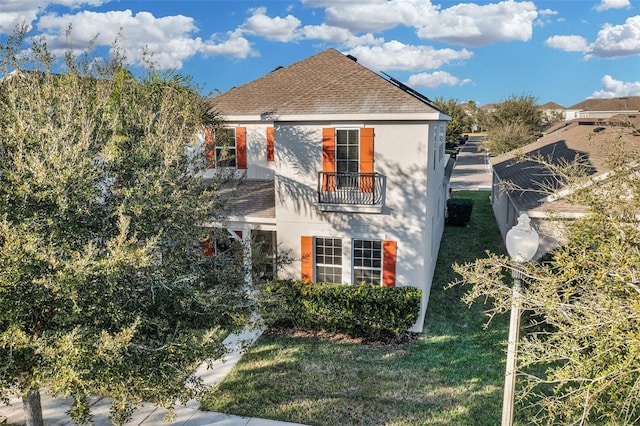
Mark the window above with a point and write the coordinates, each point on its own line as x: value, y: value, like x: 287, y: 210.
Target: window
x: 225, y: 147
x: 373, y: 261
x: 347, y: 158
x: 367, y: 261
x: 328, y: 260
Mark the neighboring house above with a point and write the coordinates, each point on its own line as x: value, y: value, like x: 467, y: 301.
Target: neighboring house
x: 520, y: 183
x: 603, y: 108
x: 488, y: 108
x: 344, y: 172
x: 552, y: 111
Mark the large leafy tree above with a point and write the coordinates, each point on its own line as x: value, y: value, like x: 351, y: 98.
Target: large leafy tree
x: 515, y: 122
x: 579, y: 358
x: 103, y: 287
x: 460, y: 121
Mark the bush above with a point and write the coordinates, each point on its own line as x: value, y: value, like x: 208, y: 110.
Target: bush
x: 357, y: 310
x: 459, y: 211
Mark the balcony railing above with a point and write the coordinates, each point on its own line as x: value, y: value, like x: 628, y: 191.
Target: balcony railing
x: 350, y: 189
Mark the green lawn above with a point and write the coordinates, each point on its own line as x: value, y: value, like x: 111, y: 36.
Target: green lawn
x: 451, y: 374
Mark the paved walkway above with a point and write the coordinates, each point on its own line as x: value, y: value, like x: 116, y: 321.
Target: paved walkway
x: 54, y: 409
x: 472, y: 170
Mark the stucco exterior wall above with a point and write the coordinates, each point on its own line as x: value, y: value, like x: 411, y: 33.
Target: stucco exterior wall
x: 503, y: 210
x: 402, y: 153
x: 550, y: 231
x: 411, y: 157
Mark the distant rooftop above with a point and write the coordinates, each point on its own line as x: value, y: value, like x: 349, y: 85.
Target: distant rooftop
x: 587, y: 140
x: 626, y: 103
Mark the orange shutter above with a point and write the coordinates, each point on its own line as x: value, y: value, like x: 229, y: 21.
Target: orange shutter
x: 209, y: 147
x: 329, y: 159
x: 270, y: 144
x: 306, y: 259
x: 366, y: 159
x: 389, y: 249
x: 241, y: 148
x: 207, y: 248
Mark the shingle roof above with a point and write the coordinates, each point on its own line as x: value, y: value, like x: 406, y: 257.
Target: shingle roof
x: 566, y: 143
x: 551, y: 105
x: 326, y: 83
x: 250, y: 198
x: 627, y: 103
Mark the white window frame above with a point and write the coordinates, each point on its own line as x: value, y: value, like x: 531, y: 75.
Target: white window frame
x: 337, y: 275
x: 375, y: 268
x: 346, y: 183
x: 220, y: 149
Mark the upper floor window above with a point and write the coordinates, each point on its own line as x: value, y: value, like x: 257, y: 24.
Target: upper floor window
x: 226, y: 147
x: 347, y: 157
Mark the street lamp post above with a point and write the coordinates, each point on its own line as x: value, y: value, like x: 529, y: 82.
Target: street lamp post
x: 522, y: 245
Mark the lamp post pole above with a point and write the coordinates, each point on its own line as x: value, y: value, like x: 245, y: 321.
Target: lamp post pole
x: 512, y: 350
x: 522, y: 245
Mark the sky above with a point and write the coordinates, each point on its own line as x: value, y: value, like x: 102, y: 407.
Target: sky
x: 562, y: 51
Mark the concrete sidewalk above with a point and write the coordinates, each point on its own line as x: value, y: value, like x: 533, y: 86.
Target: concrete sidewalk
x: 472, y: 170
x: 54, y: 409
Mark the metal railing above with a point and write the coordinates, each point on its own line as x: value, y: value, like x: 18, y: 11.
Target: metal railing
x: 366, y: 189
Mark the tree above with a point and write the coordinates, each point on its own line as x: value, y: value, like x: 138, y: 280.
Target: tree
x: 103, y: 286
x: 508, y: 137
x: 580, y: 353
x: 460, y: 121
x: 518, y: 114
x: 474, y: 113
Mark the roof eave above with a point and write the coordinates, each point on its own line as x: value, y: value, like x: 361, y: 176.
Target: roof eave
x: 273, y: 117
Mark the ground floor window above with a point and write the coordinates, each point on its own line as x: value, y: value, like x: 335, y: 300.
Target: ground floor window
x: 367, y: 261
x: 328, y: 260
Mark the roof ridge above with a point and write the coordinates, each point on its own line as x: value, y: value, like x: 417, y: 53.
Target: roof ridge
x: 327, y: 83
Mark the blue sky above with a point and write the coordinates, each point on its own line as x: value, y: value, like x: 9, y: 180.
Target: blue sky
x: 563, y: 51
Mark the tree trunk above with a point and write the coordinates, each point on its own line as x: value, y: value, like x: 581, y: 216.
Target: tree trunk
x: 32, y: 408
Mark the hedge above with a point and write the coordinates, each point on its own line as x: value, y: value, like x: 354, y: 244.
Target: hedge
x: 459, y: 211
x: 357, y: 310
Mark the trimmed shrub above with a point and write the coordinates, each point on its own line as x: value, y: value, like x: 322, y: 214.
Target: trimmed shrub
x: 459, y: 211
x: 357, y: 310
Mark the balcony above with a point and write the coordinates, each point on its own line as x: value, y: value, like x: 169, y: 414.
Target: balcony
x: 351, y: 192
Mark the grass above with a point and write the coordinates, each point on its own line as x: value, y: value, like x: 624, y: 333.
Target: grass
x: 451, y: 374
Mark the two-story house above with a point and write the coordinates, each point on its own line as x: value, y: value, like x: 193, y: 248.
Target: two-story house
x: 344, y: 172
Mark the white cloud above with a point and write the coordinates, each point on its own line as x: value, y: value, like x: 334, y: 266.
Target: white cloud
x: 395, y: 55
x: 168, y: 38
x: 618, y: 40
x: 470, y: 24
x: 376, y: 15
x: 545, y: 17
x: 436, y: 79
x: 548, y: 12
x: 570, y: 43
x: 18, y: 12
x: 613, y: 41
x: 235, y: 45
x: 612, y: 88
x: 277, y: 29
x: 328, y: 33
x: 612, y: 4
